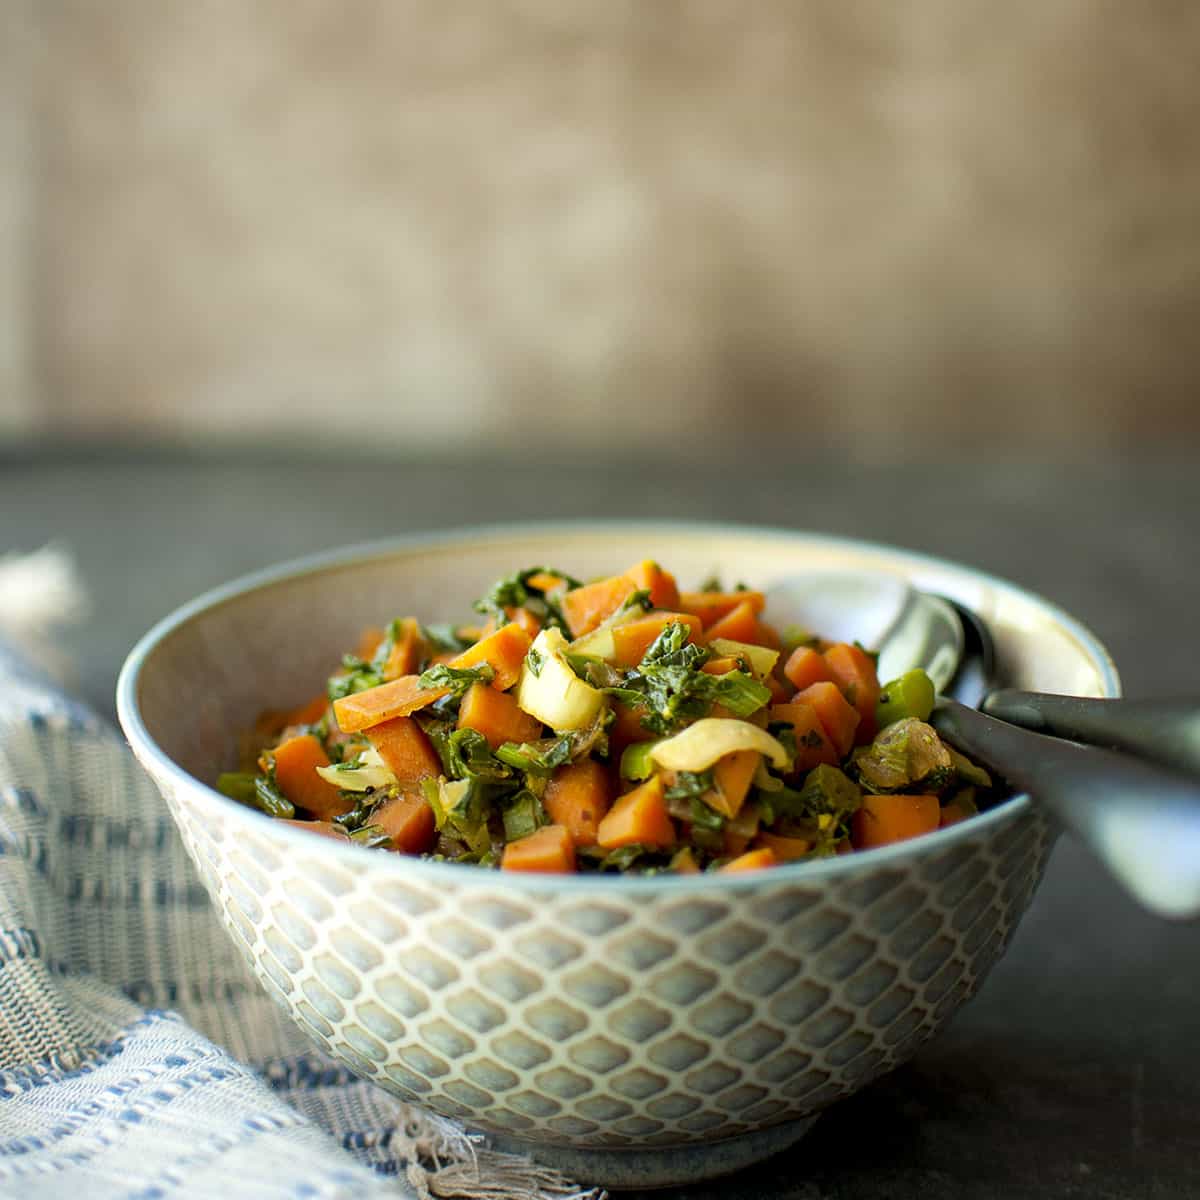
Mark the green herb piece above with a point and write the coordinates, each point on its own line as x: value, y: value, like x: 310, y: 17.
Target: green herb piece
x: 689, y: 783
x: 534, y: 660
x: 637, y: 762
x: 639, y: 599
x: 360, y: 815
x: 357, y: 675
x: 469, y: 756
x: 514, y: 591
x: 539, y: 757
x: 460, y: 810
x: 705, y: 818
x: 818, y: 811
x: 968, y: 772
x: 269, y: 799
x: 522, y: 814
x: 911, y: 695
x: 443, y: 638
x: 238, y: 785
x: 373, y: 837
x: 457, y: 679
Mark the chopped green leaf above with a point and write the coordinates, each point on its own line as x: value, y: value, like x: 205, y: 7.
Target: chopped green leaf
x: 457, y: 679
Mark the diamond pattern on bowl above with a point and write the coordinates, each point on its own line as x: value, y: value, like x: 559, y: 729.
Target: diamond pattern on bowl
x: 589, y: 1016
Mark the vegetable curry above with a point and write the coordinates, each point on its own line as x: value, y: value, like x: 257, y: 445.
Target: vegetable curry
x: 619, y: 725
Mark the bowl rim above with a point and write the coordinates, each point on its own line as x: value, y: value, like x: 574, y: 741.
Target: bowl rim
x: 157, y: 762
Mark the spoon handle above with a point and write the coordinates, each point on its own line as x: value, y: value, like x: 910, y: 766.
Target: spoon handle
x: 1167, y: 731
x: 1141, y: 821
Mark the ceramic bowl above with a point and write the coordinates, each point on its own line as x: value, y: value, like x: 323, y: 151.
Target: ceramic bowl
x: 631, y: 1031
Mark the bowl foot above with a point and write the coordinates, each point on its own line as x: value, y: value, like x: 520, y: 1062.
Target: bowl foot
x: 659, y: 1167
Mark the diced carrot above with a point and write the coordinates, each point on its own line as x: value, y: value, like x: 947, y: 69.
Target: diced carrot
x: 296, y: 762
x: 684, y: 862
x: 768, y: 635
x: 577, y: 797
x: 543, y: 581
x: 474, y: 633
x: 639, y: 816
x: 631, y: 641
x: 523, y: 617
x: 402, y: 744
x: 323, y: 828
x: 587, y: 606
x: 710, y: 607
x: 549, y: 851
x: 627, y: 728
x: 813, y: 746
x: 648, y: 576
x: 720, y: 666
x: 752, y: 860
x: 734, y: 843
x: 786, y: 849
x: 368, y: 642
x: 497, y: 716
x: 397, y: 698
x: 838, y: 718
x: 853, y: 670
x: 806, y: 666
x: 885, y: 819
x: 503, y: 650
x: 408, y: 821
x: 740, y: 624
x: 407, y: 650
x: 951, y: 814
x: 732, y: 776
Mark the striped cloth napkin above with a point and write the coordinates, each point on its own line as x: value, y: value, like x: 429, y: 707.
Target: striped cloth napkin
x: 138, y: 1055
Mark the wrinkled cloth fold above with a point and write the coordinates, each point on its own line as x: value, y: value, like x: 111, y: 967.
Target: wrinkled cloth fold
x: 139, y: 1057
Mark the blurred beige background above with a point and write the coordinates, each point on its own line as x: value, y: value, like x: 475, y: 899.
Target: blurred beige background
x: 714, y: 227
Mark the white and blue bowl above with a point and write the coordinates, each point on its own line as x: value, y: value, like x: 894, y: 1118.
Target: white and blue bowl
x: 634, y: 1032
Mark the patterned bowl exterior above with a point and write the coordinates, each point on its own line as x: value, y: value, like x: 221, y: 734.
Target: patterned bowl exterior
x: 587, y: 1014
x: 595, y: 1016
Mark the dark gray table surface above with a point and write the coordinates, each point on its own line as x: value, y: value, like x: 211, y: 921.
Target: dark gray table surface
x: 1076, y: 1072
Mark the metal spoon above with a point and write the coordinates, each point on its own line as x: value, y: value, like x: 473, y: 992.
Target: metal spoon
x: 1140, y: 820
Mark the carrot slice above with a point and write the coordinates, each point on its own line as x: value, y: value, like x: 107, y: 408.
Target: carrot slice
x: 786, y: 849
x: 631, y: 641
x: 549, y: 851
x: 885, y: 819
x: 710, y: 607
x: 813, y: 746
x: 806, y: 666
x: 768, y: 635
x: 627, y: 728
x: 951, y: 814
x: 497, y: 716
x: 296, y: 762
x: 732, y: 777
x: 504, y: 651
x: 368, y: 642
x: 853, y: 670
x: 587, y: 606
x: 648, y: 576
x: 543, y: 581
x: 752, y: 860
x: 720, y: 666
x: 402, y: 744
x: 523, y: 617
x: 639, y: 816
x: 577, y: 797
x: 398, y: 698
x: 740, y: 624
x: 407, y: 650
x: 408, y: 821
x: 838, y: 718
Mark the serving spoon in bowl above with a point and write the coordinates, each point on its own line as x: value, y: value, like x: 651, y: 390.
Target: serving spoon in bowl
x: 1139, y: 818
